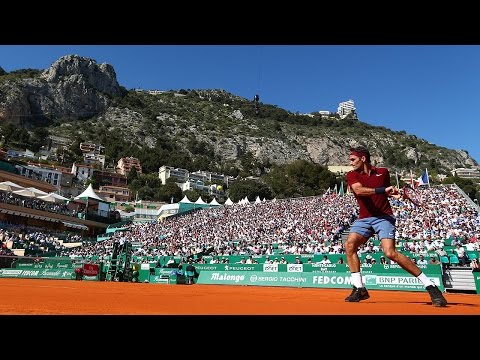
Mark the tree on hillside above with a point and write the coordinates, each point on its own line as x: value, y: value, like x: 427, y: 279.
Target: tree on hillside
x: 132, y: 175
x: 249, y: 188
x: 300, y: 178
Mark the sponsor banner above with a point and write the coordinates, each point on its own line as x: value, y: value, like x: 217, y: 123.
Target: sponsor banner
x: 370, y: 268
x: 90, y: 269
x: 38, y: 273
x: 366, y: 268
x: 326, y: 280
x: 294, y: 267
x: 158, y: 280
x: 45, y: 265
x: 251, y: 278
x: 476, y: 277
x: 270, y: 267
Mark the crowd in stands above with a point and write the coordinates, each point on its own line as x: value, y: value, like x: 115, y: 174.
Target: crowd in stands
x: 35, y: 241
x: 299, y: 226
x: 311, y: 225
x: 35, y: 203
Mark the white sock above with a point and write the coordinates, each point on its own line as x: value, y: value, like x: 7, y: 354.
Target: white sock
x: 425, y: 280
x: 357, y: 279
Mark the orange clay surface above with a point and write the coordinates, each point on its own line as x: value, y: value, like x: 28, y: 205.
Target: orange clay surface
x: 70, y: 297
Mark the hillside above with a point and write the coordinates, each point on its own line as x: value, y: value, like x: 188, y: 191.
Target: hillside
x: 206, y: 129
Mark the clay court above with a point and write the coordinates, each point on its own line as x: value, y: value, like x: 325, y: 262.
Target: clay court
x: 70, y: 297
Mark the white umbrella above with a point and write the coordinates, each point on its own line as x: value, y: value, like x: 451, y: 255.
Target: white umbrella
x: 10, y: 186
x: 55, y: 198
x: 30, y: 192
x: 37, y: 191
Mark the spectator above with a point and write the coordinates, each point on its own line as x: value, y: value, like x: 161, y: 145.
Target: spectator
x: 421, y: 260
x: 475, y: 265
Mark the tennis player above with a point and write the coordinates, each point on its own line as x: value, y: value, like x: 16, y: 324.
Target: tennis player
x: 371, y: 188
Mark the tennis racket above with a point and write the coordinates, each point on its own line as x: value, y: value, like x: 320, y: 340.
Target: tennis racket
x: 412, y: 195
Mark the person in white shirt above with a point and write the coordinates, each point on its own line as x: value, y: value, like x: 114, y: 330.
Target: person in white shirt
x: 325, y: 260
x: 422, y: 261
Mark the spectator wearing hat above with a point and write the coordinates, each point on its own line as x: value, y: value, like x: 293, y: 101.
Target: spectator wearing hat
x: 283, y: 261
x: 298, y: 260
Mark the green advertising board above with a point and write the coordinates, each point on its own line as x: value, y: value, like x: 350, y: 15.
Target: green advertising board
x: 38, y: 273
x: 386, y: 280
x: 476, y: 277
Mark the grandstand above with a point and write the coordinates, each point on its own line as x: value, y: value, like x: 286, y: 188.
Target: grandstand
x: 307, y: 228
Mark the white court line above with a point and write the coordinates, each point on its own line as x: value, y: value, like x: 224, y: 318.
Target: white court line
x: 39, y: 286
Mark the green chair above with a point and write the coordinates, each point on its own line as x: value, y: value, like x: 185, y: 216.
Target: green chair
x: 454, y: 260
x: 472, y: 255
x: 444, y: 260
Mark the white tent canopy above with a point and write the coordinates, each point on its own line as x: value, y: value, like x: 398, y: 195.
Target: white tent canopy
x: 228, y: 202
x: 214, y: 202
x: 200, y: 201
x: 186, y: 200
x: 89, y: 194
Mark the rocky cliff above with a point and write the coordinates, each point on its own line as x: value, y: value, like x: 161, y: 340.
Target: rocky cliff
x: 78, y: 98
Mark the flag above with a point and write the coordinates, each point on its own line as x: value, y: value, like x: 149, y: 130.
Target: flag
x: 423, y: 180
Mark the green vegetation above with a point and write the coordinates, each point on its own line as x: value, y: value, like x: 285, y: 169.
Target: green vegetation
x: 19, y: 74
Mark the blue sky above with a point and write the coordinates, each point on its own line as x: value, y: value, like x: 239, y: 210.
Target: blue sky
x: 428, y: 91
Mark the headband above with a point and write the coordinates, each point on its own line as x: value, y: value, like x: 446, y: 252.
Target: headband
x: 358, y: 153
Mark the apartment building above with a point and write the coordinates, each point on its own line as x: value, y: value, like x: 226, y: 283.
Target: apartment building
x: 124, y: 165
x: 114, y: 193
x: 465, y: 173
x: 345, y: 108
x: 198, y: 177
x: 88, y: 147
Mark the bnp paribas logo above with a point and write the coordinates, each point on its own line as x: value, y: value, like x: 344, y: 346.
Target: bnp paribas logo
x: 370, y: 279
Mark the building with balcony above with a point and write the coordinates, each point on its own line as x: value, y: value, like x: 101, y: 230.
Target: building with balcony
x: 88, y: 147
x: 82, y: 172
x: 114, y: 193
x: 125, y: 164
x: 183, y: 176
x: 105, y: 178
x: 464, y: 173
x: 345, y: 108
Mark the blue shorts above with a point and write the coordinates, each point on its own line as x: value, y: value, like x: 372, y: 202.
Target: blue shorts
x: 384, y: 226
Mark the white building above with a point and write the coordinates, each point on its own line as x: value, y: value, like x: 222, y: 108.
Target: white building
x: 51, y: 176
x: 93, y: 158
x: 345, y: 108
x: 465, y: 173
x: 183, y: 176
x: 82, y: 172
